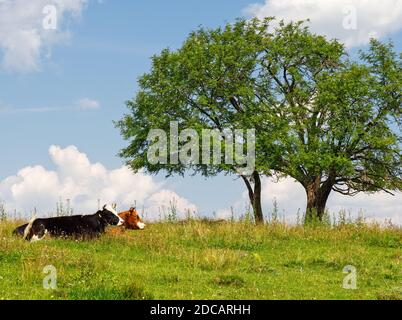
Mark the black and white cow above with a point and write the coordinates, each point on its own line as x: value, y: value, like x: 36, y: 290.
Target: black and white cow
x: 80, y: 226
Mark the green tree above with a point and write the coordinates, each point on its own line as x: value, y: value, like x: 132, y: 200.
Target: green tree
x: 328, y: 122
x: 206, y: 84
x: 341, y: 128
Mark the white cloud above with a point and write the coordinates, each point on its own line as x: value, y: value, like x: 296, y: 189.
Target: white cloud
x: 291, y: 198
x: 23, y: 37
x: 76, y: 178
x: 378, y: 206
x: 11, y: 110
x: 164, y: 200
x: 87, y: 104
x: 224, y: 214
x: 81, y: 104
x: 335, y: 18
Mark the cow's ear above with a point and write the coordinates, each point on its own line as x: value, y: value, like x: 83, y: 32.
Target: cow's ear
x: 132, y: 209
x: 104, y: 207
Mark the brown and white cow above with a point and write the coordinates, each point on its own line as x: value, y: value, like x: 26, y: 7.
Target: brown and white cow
x: 132, y: 220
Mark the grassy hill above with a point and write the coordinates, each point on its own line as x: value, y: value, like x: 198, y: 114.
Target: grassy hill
x: 205, y: 260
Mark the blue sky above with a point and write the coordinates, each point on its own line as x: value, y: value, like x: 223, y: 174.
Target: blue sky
x: 108, y: 47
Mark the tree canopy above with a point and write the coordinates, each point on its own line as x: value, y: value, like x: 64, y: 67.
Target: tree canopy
x: 329, y: 122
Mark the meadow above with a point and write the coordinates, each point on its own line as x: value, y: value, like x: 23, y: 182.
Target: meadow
x: 198, y: 259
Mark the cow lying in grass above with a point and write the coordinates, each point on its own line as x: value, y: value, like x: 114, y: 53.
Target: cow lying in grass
x: 80, y: 226
x: 131, y: 221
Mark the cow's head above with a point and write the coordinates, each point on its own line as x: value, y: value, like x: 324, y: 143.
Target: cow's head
x: 110, y: 216
x: 132, y: 220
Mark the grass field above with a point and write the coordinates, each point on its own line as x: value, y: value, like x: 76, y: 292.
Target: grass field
x: 205, y: 260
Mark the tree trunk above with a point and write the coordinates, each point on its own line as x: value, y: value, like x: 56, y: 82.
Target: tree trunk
x: 317, y: 196
x: 255, y: 196
x: 258, y: 215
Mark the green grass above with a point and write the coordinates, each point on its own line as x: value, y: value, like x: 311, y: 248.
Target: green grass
x: 204, y: 260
